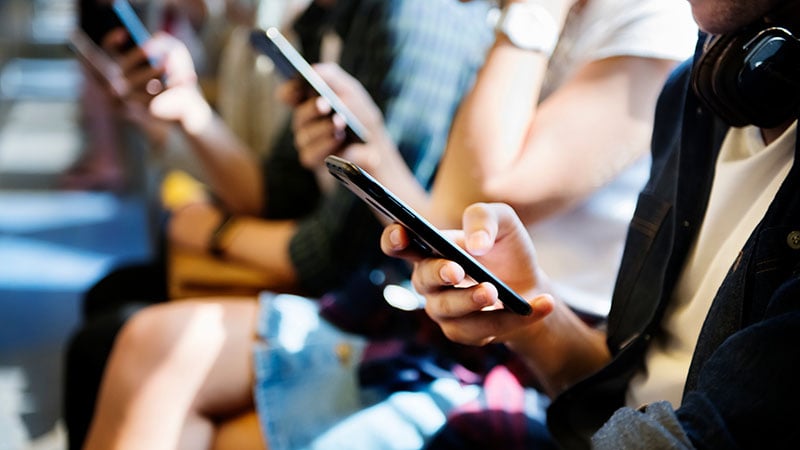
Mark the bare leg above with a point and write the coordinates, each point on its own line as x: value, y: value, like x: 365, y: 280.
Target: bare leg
x: 176, y: 370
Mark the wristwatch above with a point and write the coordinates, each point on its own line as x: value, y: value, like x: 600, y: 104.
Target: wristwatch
x: 529, y: 26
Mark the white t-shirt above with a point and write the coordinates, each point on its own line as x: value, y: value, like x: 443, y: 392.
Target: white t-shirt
x: 580, y: 249
x: 747, y: 178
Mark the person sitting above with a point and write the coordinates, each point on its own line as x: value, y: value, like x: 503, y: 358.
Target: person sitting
x: 299, y: 236
x: 562, y: 138
x: 698, y: 349
x: 279, y: 380
x: 109, y: 159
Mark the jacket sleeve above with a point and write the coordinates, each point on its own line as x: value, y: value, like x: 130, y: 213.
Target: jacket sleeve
x: 656, y: 426
x: 746, y: 395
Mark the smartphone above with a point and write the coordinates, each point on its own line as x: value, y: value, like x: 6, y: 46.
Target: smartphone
x: 423, y: 234
x: 94, y: 58
x: 131, y: 22
x: 291, y: 64
x: 98, y: 17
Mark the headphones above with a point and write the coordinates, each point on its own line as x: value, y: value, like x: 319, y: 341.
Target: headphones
x: 751, y: 77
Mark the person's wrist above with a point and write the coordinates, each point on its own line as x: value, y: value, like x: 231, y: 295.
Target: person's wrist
x: 217, y: 242
x: 197, y: 114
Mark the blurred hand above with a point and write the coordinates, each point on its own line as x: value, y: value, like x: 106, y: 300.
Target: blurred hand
x: 318, y: 132
x: 161, y: 82
x: 471, y: 313
x: 191, y: 226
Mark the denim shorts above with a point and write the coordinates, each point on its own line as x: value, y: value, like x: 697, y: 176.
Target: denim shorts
x: 307, y: 393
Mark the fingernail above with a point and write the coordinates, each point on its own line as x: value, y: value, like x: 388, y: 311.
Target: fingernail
x: 323, y: 106
x: 394, y: 238
x: 481, y: 298
x: 542, y: 302
x: 479, y: 240
x: 444, y: 274
x: 339, y: 121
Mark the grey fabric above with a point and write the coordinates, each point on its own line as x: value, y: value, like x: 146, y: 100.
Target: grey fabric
x: 653, y: 427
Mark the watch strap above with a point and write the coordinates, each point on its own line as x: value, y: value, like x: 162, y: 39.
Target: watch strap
x: 215, y: 242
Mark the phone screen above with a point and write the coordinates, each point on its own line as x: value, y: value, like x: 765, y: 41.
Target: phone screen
x: 291, y: 64
x: 423, y: 234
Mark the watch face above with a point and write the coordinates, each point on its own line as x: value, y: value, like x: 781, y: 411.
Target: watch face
x: 519, y: 29
x: 529, y: 26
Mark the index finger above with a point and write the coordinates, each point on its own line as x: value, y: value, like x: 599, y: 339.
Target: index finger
x: 309, y: 111
x: 291, y: 92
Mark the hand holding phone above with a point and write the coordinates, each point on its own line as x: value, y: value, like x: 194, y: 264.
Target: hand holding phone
x: 423, y: 234
x: 292, y: 65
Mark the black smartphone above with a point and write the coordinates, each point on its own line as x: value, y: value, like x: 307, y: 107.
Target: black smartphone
x: 423, y: 233
x: 99, y: 17
x: 99, y: 63
x: 291, y: 64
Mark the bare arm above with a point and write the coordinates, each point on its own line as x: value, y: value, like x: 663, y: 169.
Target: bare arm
x: 504, y: 145
x: 541, y: 158
x: 262, y: 244
x: 232, y: 170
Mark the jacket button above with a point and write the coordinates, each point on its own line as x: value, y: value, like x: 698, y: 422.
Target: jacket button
x: 793, y: 239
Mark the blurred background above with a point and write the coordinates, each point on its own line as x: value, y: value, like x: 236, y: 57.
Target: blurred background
x: 54, y: 242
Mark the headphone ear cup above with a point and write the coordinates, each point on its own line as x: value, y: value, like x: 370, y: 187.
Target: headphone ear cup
x: 751, y: 77
x: 702, y: 69
x: 714, y: 78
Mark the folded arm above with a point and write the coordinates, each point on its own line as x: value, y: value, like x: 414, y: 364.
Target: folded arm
x: 505, y: 146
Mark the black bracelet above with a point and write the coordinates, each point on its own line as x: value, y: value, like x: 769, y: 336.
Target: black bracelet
x: 215, y: 243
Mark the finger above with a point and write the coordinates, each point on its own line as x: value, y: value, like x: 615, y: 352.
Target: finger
x: 323, y: 128
x: 340, y: 81
x: 147, y: 80
x: 139, y: 97
x: 166, y: 52
x: 114, y: 41
x: 395, y: 242
x: 484, y: 327
x: 432, y: 275
x: 132, y: 59
x: 313, y: 152
x: 446, y: 302
x: 308, y: 111
x: 485, y: 223
x: 362, y: 154
x: 290, y: 93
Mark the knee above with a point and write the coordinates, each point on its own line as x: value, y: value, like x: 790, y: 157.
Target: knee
x: 151, y: 335
x: 175, y: 332
x: 149, y: 330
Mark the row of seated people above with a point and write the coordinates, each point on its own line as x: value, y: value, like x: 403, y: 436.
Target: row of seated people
x: 553, y: 118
